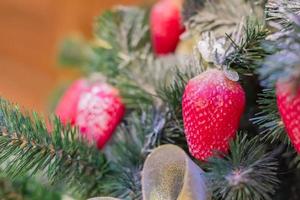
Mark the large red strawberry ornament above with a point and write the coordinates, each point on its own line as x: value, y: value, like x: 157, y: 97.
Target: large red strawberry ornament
x: 288, y: 101
x: 212, y: 106
x: 96, y: 108
x: 166, y: 26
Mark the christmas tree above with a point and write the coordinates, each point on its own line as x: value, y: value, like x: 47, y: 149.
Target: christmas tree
x: 188, y: 99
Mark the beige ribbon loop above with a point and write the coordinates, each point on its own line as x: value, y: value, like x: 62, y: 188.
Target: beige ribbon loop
x: 169, y: 174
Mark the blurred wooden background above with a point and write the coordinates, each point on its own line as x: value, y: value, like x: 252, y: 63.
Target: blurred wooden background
x: 30, y: 31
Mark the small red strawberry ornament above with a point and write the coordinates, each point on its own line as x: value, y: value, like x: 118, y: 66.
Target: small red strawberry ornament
x: 96, y: 108
x: 212, y: 106
x: 165, y: 25
x: 99, y: 111
x: 288, y: 102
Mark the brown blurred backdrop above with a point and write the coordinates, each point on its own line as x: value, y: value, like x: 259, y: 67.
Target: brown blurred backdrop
x: 30, y: 31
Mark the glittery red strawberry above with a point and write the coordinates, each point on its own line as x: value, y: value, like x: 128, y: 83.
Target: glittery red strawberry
x: 99, y: 111
x: 212, y: 106
x: 96, y: 108
x: 288, y: 102
x: 166, y: 27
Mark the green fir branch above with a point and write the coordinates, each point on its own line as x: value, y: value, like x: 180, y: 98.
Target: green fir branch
x: 268, y: 119
x: 247, y: 50
x: 171, y: 92
x: 128, y: 150
x: 132, y: 94
x: 27, y: 147
x: 127, y: 153
x: 174, y: 131
x: 125, y: 29
x: 26, y: 189
x: 247, y: 173
x: 136, y: 137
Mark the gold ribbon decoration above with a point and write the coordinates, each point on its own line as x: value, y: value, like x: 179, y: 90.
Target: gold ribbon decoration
x: 169, y: 174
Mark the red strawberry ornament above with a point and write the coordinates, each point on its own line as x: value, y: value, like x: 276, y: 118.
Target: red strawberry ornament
x: 96, y: 108
x: 165, y: 25
x: 99, y: 111
x: 212, y: 106
x: 288, y: 102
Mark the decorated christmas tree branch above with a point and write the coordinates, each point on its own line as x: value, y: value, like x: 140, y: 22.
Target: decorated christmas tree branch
x: 248, y: 172
x: 198, y: 107
x: 27, y: 147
